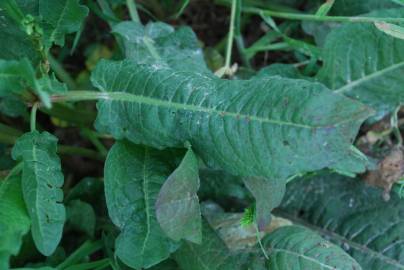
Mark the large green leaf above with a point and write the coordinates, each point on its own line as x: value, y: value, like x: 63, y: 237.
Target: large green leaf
x: 212, y: 254
x: 133, y: 177
x: 369, y: 71
x: 42, y: 179
x: 160, y: 42
x: 271, y: 127
x: 297, y: 248
x: 352, y: 215
x: 177, y: 205
x: 61, y: 17
x: 14, y: 220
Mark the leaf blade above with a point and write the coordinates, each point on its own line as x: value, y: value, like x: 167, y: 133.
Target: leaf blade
x: 353, y: 216
x: 133, y: 176
x: 14, y: 220
x: 42, y: 179
x: 369, y: 72
x: 160, y: 107
x: 295, y: 247
x: 177, y: 205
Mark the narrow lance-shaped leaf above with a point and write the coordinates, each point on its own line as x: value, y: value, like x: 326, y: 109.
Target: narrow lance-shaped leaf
x: 391, y: 29
x: 272, y: 127
x: 370, y: 71
x: 42, y: 180
x: 14, y: 220
x: 352, y: 215
x: 177, y: 206
x: 297, y: 248
x: 133, y: 177
x: 268, y: 194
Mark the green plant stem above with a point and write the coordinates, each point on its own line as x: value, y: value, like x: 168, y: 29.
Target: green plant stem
x: 97, y: 265
x: 238, y: 37
x: 61, y: 72
x: 33, y: 116
x: 315, y: 18
x: 87, y: 248
x: 231, y: 34
x: 395, y: 127
x: 79, y: 151
x: 133, y: 10
x: 91, y: 135
x: 9, y: 135
x: 257, y: 234
x: 270, y: 47
x: 76, y: 116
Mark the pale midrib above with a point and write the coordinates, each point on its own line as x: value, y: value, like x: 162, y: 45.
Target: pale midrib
x: 128, y: 97
x: 35, y: 167
x: 146, y: 201
x: 365, y: 79
x: 331, y: 234
x: 58, y: 21
x: 304, y: 257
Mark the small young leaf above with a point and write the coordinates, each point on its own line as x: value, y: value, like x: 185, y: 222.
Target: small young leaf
x: 268, y: 194
x: 14, y: 220
x: 325, y: 8
x: 42, y: 179
x: 272, y: 127
x: 177, y: 206
x: 295, y: 247
x: 133, y: 176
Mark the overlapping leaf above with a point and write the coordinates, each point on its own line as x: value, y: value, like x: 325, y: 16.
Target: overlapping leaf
x: 133, y: 177
x: 212, y: 254
x: 268, y: 194
x: 61, y: 17
x: 177, y: 205
x: 352, y: 215
x: 272, y: 127
x: 297, y: 248
x: 42, y: 179
x: 19, y: 76
x: 51, y: 19
x: 160, y: 42
x: 369, y: 71
x: 14, y: 220
x: 18, y: 44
